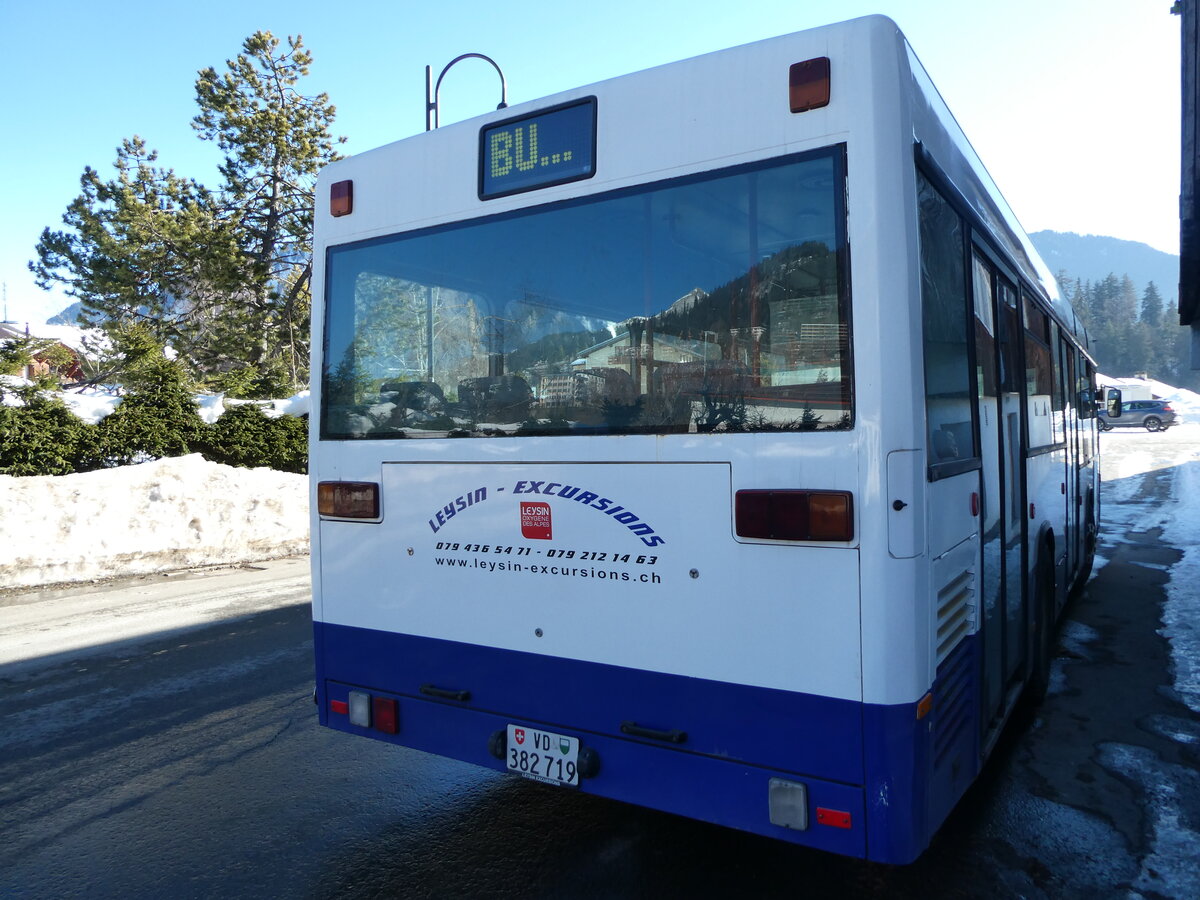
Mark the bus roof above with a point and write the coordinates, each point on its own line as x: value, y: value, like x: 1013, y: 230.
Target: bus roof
x: 870, y: 58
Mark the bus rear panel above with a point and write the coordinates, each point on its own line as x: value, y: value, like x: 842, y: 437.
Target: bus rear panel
x: 623, y: 479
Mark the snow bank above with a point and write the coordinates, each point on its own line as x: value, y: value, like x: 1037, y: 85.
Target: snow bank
x: 161, y: 515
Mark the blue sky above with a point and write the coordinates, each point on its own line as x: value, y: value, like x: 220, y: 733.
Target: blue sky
x: 1072, y: 104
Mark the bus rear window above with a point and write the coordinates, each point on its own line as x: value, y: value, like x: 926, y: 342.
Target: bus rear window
x: 716, y: 304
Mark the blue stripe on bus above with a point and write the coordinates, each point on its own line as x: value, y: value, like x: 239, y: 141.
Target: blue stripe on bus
x: 874, y: 762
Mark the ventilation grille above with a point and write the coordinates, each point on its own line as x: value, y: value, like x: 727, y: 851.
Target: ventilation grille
x: 954, y: 701
x: 955, y: 613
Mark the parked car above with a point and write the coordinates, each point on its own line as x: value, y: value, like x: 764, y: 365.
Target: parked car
x: 1153, y: 415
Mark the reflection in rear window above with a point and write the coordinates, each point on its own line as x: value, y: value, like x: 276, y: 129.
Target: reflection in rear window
x: 707, y: 305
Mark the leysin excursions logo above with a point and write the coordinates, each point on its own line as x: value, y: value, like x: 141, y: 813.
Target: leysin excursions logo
x: 535, y: 521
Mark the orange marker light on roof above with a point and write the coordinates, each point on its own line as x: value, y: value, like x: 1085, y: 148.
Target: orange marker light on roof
x: 341, y: 198
x: 808, y: 84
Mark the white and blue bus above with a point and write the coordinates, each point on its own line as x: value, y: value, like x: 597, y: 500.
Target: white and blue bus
x: 711, y: 438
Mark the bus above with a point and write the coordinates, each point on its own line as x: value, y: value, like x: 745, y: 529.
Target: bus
x: 711, y: 438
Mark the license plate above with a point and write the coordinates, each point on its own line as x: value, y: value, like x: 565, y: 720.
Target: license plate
x: 543, y: 755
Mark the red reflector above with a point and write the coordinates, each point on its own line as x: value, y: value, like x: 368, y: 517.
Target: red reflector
x: 808, y: 84
x: 794, y: 515
x: 834, y: 818
x: 974, y: 503
x: 385, y: 714
x: 341, y: 707
x: 341, y: 198
x: 348, y: 499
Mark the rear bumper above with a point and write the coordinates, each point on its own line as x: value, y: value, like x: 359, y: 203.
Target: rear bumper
x: 738, y: 737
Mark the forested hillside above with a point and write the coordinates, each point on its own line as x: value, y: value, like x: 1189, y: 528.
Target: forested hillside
x: 1132, y: 331
x: 1126, y: 294
x: 1092, y: 257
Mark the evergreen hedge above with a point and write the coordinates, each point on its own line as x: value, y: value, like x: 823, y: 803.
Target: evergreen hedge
x: 156, y: 419
x: 43, y: 437
x: 246, y: 436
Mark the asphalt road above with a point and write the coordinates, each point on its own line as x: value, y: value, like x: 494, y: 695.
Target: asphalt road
x: 185, y: 761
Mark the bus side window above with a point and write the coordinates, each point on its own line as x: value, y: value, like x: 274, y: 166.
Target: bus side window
x: 1039, y: 375
x: 944, y: 313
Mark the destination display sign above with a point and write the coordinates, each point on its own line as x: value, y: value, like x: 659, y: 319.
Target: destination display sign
x: 548, y: 147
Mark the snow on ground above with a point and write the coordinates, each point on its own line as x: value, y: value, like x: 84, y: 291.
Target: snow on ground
x: 1125, y: 455
x: 1181, y: 617
x: 154, y: 517
x: 1171, y: 867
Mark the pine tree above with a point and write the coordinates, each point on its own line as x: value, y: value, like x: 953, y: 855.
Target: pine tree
x: 275, y: 141
x: 1152, y: 307
x: 1125, y: 304
x: 140, y: 246
x: 223, y: 276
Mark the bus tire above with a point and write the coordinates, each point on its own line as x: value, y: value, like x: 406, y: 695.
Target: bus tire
x: 1089, y: 557
x: 1044, y: 634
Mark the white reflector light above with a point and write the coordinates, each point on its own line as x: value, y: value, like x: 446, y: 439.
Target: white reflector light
x: 360, y: 709
x: 788, y: 802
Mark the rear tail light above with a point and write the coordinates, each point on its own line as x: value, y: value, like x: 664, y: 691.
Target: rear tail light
x: 348, y: 499
x: 385, y: 714
x: 794, y: 515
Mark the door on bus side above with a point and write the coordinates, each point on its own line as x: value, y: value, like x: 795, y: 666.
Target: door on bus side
x: 999, y: 373
x: 1078, y: 396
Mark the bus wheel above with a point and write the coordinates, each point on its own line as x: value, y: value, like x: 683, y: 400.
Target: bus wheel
x: 1044, y: 633
x: 1089, y: 557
